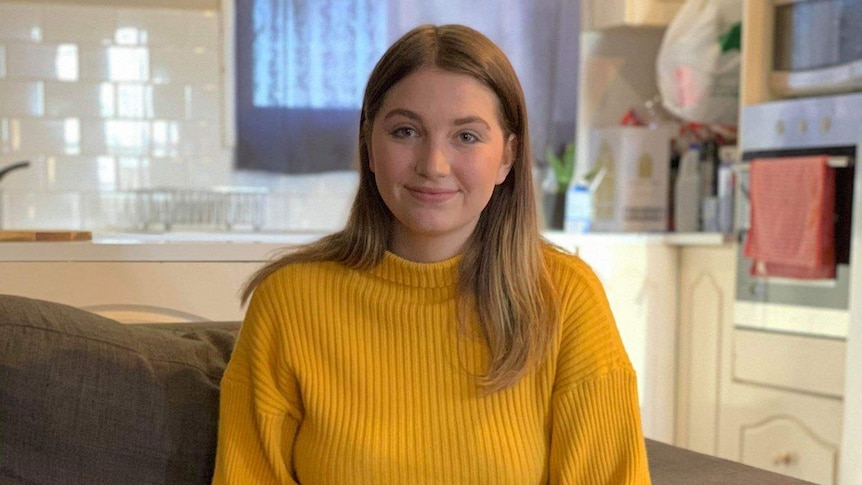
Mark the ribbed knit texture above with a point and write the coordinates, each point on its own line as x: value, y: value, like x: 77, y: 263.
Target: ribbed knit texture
x: 344, y: 376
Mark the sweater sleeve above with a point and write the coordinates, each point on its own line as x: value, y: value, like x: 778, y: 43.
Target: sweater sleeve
x: 260, y: 408
x: 596, y: 435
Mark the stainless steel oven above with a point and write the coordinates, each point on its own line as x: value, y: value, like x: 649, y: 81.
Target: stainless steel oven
x: 830, y: 126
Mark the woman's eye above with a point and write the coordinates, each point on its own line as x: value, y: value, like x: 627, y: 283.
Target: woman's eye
x: 404, y: 132
x: 468, y: 138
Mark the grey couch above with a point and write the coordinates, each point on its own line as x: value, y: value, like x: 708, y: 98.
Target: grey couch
x: 85, y: 399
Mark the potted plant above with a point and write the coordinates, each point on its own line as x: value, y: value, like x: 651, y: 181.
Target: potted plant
x: 560, y: 169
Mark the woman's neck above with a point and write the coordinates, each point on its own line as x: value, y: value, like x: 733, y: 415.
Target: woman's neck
x: 420, y: 249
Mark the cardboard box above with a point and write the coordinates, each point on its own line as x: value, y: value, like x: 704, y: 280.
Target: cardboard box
x: 632, y: 192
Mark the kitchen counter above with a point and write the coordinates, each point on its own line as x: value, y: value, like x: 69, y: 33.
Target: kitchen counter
x: 237, y: 246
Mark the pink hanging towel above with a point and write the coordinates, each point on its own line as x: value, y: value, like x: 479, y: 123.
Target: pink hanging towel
x: 792, y: 229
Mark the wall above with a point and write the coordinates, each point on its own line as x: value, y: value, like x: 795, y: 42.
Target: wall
x: 111, y: 98
x: 175, y: 4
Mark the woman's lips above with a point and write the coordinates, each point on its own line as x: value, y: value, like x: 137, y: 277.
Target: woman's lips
x: 424, y: 194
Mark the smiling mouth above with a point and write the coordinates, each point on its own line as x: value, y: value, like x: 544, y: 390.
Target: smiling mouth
x: 431, y: 195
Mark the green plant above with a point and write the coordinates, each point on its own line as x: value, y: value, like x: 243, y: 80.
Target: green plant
x: 563, y: 165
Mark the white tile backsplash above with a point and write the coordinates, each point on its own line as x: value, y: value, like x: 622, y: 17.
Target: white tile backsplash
x: 122, y: 98
x: 202, y: 30
x: 115, y: 63
x: 168, y: 172
x: 170, y: 28
x: 5, y: 136
x: 46, y: 62
x: 46, y: 136
x: 78, y: 24
x: 204, y: 102
x: 200, y: 138
x: 115, y: 137
x: 80, y: 173
x: 208, y: 172
x: 166, y: 139
x: 20, y: 21
x: 166, y: 101
x: 131, y: 100
x: 179, y: 66
x: 22, y: 98
x: 132, y: 173
x: 31, y: 178
x: 40, y: 210
x: 86, y: 100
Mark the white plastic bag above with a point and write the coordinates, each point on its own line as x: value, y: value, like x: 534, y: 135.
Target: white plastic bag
x: 698, y: 76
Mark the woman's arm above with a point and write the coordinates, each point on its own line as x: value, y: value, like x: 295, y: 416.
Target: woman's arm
x: 596, y: 433
x: 260, y: 409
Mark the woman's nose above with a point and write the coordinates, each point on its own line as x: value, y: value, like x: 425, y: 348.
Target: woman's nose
x: 434, y: 162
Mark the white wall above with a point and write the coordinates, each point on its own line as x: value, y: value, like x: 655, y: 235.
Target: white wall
x: 119, y: 98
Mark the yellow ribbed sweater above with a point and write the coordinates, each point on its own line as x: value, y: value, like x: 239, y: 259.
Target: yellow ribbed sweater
x: 345, y: 376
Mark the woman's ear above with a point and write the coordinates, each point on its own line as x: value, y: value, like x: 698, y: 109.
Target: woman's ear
x: 509, y: 152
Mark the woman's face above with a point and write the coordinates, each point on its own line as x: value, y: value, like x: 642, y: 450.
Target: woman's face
x: 437, y: 150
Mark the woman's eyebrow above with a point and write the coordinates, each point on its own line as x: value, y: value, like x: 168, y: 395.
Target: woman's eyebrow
x: 472, y: 119
x: 403, y: 112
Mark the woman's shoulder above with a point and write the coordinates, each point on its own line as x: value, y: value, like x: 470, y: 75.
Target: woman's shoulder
x: 296, y: 277
x: 566, y: 267
x: 590, y: 341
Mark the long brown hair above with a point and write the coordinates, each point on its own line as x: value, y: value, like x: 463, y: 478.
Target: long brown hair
x: 503, y: 280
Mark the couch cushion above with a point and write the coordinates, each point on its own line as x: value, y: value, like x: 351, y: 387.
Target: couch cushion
x: 85, y: 399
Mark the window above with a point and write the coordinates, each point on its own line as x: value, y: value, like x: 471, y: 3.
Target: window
x: 301, y: 69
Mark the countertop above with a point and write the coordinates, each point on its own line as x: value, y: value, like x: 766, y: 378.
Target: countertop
x: 237, y: 246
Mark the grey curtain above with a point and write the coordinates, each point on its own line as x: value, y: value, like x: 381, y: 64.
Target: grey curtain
x: 302, y: 67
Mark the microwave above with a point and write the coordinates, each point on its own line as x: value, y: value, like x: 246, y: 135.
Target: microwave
x: 817, y: 47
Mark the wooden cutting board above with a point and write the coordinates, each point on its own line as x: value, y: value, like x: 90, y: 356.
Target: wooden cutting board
x: 48, y: 236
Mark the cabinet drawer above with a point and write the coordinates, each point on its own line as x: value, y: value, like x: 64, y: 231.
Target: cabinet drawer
x: 800, y: 363
x: 783, y: 445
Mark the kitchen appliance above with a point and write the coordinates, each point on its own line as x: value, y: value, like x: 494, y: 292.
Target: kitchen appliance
x: 816, y: 47
x: 830, y: 126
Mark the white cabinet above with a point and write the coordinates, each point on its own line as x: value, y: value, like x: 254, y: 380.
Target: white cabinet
x: 788, y: 432
x: 767, y: 399
x: 606, y: 14
x: 785, y: 445
x: 706, y: 294
x: 639, y: 276
x: 781, y: 402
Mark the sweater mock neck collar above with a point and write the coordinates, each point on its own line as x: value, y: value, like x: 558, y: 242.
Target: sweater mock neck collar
x: 421, y: 275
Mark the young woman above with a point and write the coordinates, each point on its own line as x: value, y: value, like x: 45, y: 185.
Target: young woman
x: 437, y: 338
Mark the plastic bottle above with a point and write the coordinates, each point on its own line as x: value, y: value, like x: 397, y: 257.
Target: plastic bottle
x: 578, y: 208
x: 604, y: 194
x: 726, y: 188
x: 687, y: 191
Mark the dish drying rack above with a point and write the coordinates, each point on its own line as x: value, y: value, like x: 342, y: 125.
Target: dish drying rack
x: 166, y: 209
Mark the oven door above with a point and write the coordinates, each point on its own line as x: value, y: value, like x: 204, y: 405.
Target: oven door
x: 812, y: 307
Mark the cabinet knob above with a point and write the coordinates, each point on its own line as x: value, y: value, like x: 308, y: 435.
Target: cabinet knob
x: 785, y: 459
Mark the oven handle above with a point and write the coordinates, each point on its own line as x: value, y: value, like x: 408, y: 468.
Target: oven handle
x: 834, y: 162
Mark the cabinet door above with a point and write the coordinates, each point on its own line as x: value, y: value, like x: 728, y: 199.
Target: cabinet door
x: 784, y: 445
x: 706, y: 292
x: 606, y: 14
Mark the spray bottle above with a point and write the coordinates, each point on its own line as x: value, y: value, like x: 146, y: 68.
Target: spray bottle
x: 687, y: 191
